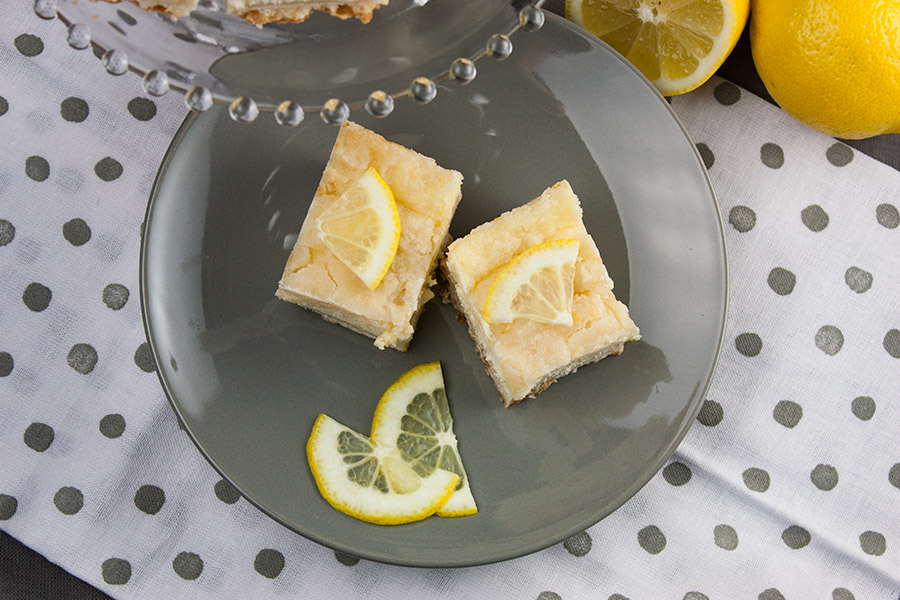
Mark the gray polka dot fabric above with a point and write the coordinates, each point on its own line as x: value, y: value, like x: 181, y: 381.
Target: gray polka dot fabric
x: 787, y: 485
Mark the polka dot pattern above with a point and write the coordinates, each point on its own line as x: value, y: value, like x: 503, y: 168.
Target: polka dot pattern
x: 142, y: 109
x: 579, y: 544
x: 652, y: 539
x: 887, y: 215
x: 863, y: 407
x: 872, y: 543
x: 108, y: 169
x: 753, y: 222
x: 143, y: 358
x: 796, y: 537
x: 74, y: 110
x: 6, y: 364
x: 29, y: 45
x: 345, y: 559
x: 858, y: 280
x: 829, y: 339
x: 269, y: 563
x: 748, y: 344
x: 839, y: 154
x: 7, y: 232
x: 76, y: 232
x: 771, y: 155
x: 706, y: 154
x: 894, y: 476
x: 725, y: 537
x: 37, y: 296
x: 711, y: 413
x: 188, y: 565
x: 756, y: 479
x: 677, y: 473
x: 891, y: 342
x: 787, y: 413
x: 824, y: 477
x: 742, y: 218
x: 112, y: 426
x: 68, y: 500
x: 39, y: 436
x: 782, y: 281
x: 37, y: 168
x: 115, y: 296
x: 82, y: 358
x: 226, y: 492
x: 726, y: 93
x: 8, y: 507
x: 149, y: 499
x: 116, y: 571
x: 814, y: 217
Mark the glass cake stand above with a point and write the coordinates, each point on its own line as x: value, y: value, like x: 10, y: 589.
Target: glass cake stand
x: 323, y: 65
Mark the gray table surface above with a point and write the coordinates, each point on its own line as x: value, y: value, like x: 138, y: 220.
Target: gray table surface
x: 26, y: 575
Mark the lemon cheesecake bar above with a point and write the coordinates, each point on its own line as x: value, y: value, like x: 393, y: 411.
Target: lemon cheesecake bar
x: 525, y: 355
x: 426, y: 196
x: 174, y: 8
x: 260, y: 12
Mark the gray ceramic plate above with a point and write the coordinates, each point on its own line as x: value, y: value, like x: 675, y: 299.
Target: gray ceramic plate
x: 247, y: 373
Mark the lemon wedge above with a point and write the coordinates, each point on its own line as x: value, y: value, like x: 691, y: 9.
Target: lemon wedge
x: 537, y: 284
x: 369, y: 481
x: 362, y: 228
x: 676, y: 44
x: 413, y: 416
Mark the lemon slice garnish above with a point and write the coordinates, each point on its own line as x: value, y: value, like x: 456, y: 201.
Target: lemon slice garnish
x: 369, y: 481
x: 362, y: 228
x: 676, y: 44
x: 537, y: 284
x: 413, y: 416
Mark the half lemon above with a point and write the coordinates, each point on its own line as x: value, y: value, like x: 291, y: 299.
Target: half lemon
x: 676, y: 44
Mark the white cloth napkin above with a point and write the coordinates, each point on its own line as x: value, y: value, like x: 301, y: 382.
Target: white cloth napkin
x: 788, y: 487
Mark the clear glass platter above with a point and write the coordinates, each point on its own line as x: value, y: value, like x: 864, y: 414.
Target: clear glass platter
x: 212, y: 56
x: 248, y: 374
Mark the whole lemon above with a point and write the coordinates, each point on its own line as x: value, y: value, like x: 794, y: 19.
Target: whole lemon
x: 833, y: 64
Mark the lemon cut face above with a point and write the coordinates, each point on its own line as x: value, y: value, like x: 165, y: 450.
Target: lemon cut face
x: 413, y: 418
x: 537, y: 284
x: 362, y: 228
x: 372, y: 482
x: 676, y: 44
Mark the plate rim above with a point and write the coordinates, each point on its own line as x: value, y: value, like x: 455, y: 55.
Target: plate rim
x: 620, y: 499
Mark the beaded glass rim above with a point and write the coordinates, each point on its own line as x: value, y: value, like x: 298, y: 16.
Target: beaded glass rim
x: 244, y: 109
